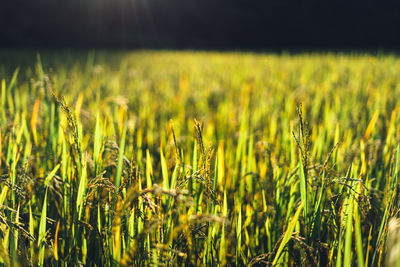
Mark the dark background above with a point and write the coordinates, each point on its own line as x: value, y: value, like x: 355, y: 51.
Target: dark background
x: 200, y: 24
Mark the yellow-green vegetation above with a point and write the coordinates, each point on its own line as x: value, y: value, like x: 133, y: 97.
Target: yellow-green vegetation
x: 191, y: 158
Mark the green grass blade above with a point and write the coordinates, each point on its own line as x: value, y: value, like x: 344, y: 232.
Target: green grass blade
x: 288, y: 233
x: 42, y: 231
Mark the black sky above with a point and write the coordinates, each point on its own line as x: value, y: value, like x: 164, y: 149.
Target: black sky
x: 203, y: 24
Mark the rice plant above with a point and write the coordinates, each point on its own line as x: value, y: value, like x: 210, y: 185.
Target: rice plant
x: 199, y: 159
